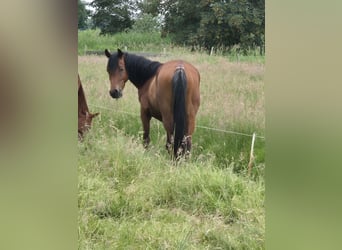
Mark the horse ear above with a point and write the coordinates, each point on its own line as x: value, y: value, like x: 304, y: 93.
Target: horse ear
x: 94, y: 115
x: 107, y: 53
x: 120, y: 53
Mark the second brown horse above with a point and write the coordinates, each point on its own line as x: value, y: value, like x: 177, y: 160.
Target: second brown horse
x: 167, y: 91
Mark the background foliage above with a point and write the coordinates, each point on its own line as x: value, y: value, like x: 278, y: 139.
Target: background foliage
x: 83, y: 14
x: 218, y: 24
x: 112, y: 16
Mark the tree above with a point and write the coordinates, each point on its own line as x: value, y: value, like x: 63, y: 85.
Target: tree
x: 225, y: 24
x: 181, y: 19
x: 145, y: 23
x: 83, y: 14
x: 213, y: 23
x: 152, y: 7
x: 112, y: 16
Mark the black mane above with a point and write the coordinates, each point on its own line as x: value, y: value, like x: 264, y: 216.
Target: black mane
x: 139, y: 69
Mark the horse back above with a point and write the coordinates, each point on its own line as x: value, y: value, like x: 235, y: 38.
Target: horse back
x: 164, y: 84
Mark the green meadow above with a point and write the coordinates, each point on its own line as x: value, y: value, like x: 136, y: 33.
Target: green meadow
x: 135, y: 198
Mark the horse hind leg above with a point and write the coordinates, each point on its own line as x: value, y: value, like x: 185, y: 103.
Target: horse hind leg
x: 186, y: 145
x: 168, y: 125
x: 169, y: 143
x: 187, y: 140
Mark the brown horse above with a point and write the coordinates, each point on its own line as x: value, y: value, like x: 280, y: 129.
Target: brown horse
x: 84, y: 116
x: 167, y: 91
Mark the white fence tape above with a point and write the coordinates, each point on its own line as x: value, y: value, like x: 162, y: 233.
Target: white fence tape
x: 198, y: 126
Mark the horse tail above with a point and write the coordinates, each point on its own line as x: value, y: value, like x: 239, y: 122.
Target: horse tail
x: 179, y: 85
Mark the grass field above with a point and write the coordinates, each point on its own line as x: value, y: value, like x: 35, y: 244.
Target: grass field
x: 132, y: 198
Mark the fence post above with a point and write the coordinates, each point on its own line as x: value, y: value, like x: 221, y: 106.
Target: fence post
x: 211, y: 51
x: 251, y: 157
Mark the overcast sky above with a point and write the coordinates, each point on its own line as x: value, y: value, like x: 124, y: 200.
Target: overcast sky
x: 87, y: 6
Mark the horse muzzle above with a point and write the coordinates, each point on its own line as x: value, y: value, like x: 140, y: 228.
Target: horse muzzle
x: 115, y: 93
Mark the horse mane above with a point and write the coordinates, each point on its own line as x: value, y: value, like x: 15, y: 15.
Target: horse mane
x: 140, y: 69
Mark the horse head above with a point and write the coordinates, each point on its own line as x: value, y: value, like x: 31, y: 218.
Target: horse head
x: 117, y: 73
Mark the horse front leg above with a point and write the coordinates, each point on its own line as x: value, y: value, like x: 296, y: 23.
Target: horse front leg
x: 146, y: 118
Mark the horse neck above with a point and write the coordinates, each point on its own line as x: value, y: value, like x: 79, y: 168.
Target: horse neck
x: 140, y: 69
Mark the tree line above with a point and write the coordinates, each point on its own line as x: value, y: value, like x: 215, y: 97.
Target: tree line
x: 219, y: 24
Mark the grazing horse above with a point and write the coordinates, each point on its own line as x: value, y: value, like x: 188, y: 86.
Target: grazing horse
x: 84, y: 116
x: 167, y: 91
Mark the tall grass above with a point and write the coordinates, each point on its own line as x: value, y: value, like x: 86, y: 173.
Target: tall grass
x: 90, y: 40
x: 132, y: 198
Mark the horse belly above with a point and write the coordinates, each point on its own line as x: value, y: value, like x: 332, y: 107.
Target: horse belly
x: 155, y: 113
x: 153, y: 100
